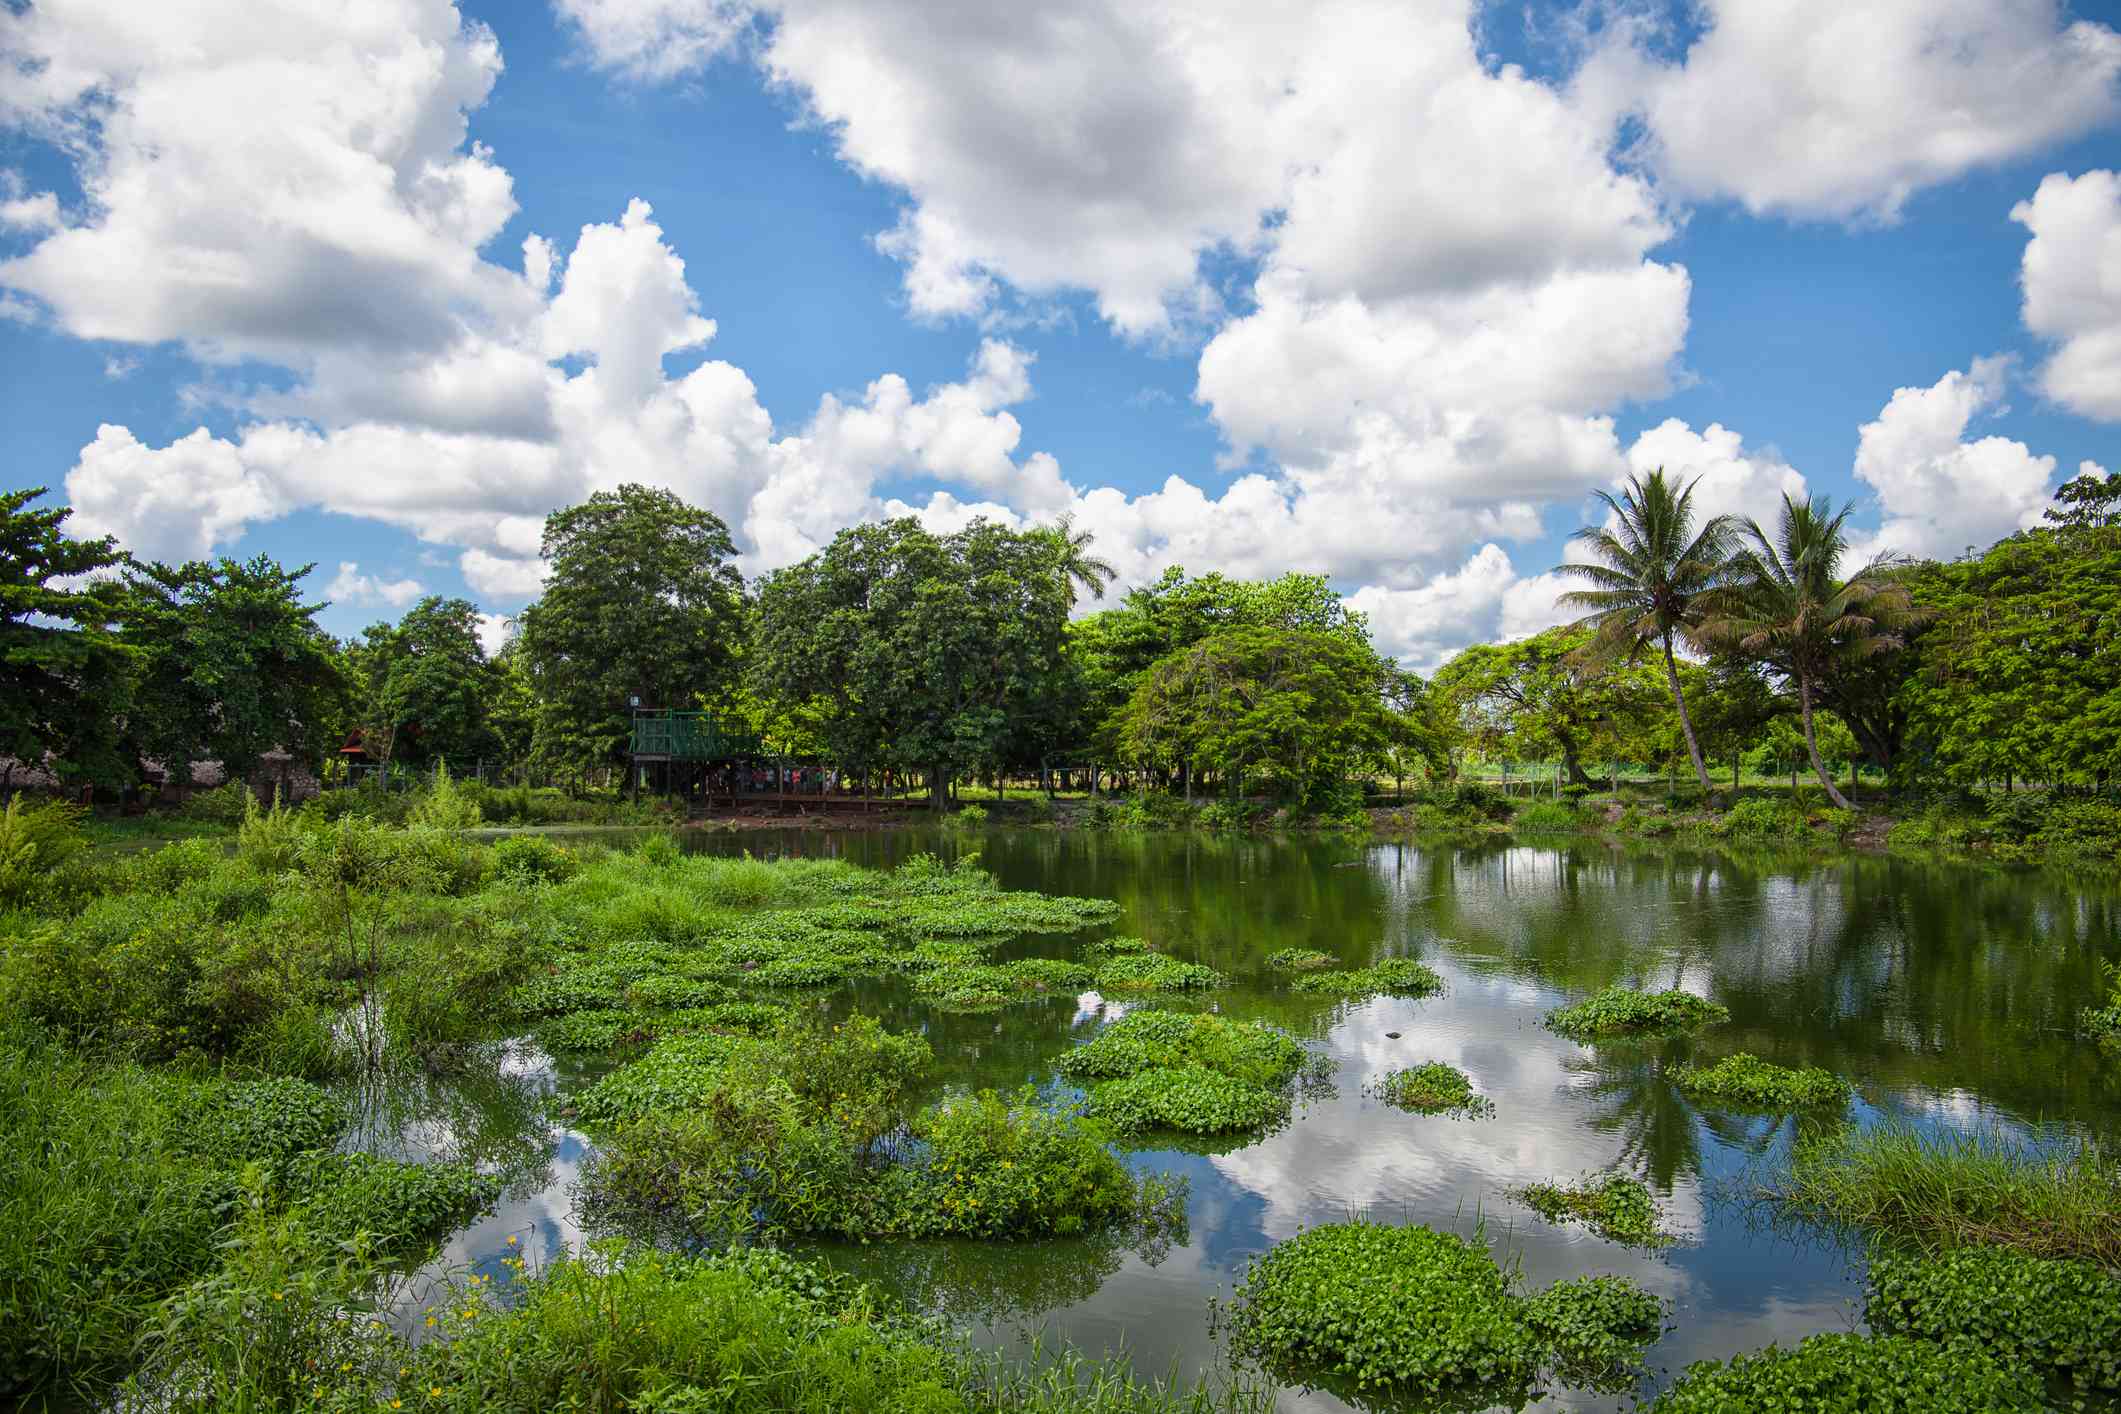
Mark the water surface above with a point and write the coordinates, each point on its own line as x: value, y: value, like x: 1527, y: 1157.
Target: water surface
x: 1948, y: 994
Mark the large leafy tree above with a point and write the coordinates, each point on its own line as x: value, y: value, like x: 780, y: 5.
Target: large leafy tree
x: 1790, y: 607
x: 63, y: 674
x: 917, y: 650
x: 422, y: 687
x: 229, y: 664
x: 1544, y: 695
x: 2019, y: 673
x: 1653, y: 574
x: 1292, y: 709
x: 644, y: 601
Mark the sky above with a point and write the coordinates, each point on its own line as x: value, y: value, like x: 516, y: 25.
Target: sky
x: 1386, y: 291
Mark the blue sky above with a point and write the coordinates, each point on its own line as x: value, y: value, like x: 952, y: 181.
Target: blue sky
x: 1389, y: 289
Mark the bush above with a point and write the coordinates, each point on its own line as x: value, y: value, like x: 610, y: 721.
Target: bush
x: 35, y: 840
x: 1396, y: 977
x: 223, y: 805
x: 441, y: 806
x: 1746, y: 1080
x: 2103, y: 1024
x: 968, y: 817
x: 1956, y: 1190
x: 1841, y: 1373
x: 2060, y: 1319
x: 1473, y: 801
x: 1191, y: 1099
x: 529, y: 859
x: 1759, y: 818
x: 268, y: 842
x: 1618, y: 1011
x: 1546, y: 817
x: 1615, y: 1207
x: 1434, y: 1088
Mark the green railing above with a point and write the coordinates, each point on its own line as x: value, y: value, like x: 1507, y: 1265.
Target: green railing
x: 692, y: 736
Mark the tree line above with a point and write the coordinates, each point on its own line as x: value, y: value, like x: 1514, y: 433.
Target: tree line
x: 961, y: 656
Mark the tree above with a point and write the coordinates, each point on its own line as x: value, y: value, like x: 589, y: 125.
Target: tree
x: 645, y: 602
x: 1079, y: 568
x: 1733, y: 706
x: 62, y: 672
x: 229, y: 664
x: 1654, y: 579
x: 920, y: 650
x: 1542, y: 695
x: 422, y: 686
x: 1295, y: 709
x: 1789, y: 607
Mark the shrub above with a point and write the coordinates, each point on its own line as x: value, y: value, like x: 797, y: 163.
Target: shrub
x: 1759, y: 818
x: 1191, y: 1099
x: 1153, y: 972
x: 2103, y: 1024
x: 34, y: 841
x: 1842, y: 1373
x: 168, y: 869
x: 1546, y: 817
x: 223, y: 805
x: 1250, y: 1051
x: 1615, y: 1207
x: 268, y: 841
x: 1746, y: 1080
x: 2058, y: 1318
x: 1396, y: 977
x: 1404, y: 1312
x: 1473, y: 801
x: 1434, y: 1088
x: 1299, y: 960
x: 529, y: 859
x: 1955, y: 1190
x: 441, y: 806
x: 1619, y: 1011
x: 968, y: 817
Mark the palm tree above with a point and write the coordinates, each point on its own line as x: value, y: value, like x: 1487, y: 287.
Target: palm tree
x: 1653, y: 578
x: 1789, y: 607
x: 1077, y: 565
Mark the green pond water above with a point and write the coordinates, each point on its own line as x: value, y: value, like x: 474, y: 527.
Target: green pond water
x: 1947, y: 994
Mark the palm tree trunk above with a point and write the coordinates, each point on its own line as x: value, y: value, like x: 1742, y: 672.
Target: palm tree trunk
x: 1811, y: 743
x: 1686, y: 722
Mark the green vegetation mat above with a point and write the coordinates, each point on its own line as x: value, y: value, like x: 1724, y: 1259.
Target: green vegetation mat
x: 1615, y: 1207
x: 1746, y: 1081
x: 1411, y: 1314
x: 1619, y: 1011
x: 1838, y: 1373
x: 2059, y: 1319
x: 1434, y: 1088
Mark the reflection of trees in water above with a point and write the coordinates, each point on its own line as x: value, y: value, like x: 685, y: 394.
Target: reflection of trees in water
x: 1637, y: 1101
x: 968, y: 1283
x: 489, y: 1112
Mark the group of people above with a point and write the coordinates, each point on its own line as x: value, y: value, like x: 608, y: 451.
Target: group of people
x: 757, y: 779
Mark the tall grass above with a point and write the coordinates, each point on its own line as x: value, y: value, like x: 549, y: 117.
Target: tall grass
x: 1942, y: 1191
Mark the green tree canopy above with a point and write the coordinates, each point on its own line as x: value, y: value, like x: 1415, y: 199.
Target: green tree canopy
x: 1543, y: 696
x: 229, y: 664
x: 913, y: 649
x: 1295, y: 710
x: 63, y: 675
x: 422, y: 688
x: 644, y: 601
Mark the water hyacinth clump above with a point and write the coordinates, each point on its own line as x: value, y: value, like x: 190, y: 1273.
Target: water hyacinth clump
x: 1394, y: 977
x: 1615, y: 1207
x: 2060, y: 1319
x: 1747, y: 1081
x: 1141, y: 1040
x: 1877, y: 1374
x: 1191, y: 1099
x: 1411, y: 1314
x: 1620, y: 1011
x: 1433, y: 1088
x: 985, y: 986
x: 1153, y: 972
x: 1299, y: 960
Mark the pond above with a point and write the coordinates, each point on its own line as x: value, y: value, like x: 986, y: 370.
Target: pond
x: 1947, y: 994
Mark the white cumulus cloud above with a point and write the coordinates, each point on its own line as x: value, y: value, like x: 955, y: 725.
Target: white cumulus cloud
x: 2072, y: 280
x: 1845, y: 108
x: 350, y: 586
